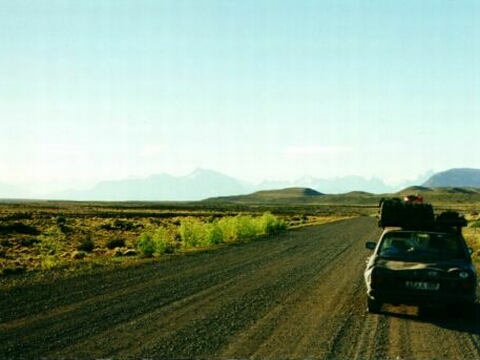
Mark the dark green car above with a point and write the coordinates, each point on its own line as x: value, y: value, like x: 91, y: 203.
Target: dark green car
x: 422, y: 268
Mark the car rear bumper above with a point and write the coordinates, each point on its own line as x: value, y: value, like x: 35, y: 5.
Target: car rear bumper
x: 430, y: 299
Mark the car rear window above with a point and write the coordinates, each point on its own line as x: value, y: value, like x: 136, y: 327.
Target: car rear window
x: 421, y: 246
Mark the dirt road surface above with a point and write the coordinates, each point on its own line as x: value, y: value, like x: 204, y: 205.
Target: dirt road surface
x: 294, y: 296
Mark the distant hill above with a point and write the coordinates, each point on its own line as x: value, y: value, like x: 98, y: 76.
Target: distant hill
x: 462, y: 177
x: 299, y: 196
x: 412, y: 190
x: 339, y: 185
x: 288, y: 192
x: 443, y: 196
x: 358, y: 193
x: 294, y: 194
x: 425, y: 191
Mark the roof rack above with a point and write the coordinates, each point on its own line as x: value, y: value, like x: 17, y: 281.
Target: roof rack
x: 411, y: 213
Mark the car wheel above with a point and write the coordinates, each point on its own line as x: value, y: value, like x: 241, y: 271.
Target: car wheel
x: 373, y: 306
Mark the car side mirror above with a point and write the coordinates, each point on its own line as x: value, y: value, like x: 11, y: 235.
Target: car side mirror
x: 470, y: 250
x: 370, y: 245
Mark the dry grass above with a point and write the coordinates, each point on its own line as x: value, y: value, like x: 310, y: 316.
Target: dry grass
x: 39, y: 236
x: 472, y: 237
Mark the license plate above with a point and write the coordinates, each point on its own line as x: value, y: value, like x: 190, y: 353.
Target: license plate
x: 422, y: 285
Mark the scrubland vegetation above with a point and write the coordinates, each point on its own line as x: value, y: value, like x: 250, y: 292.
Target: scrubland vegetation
x: 65, y: 235
x: 472, y: 236
x: 40, y: 236
x: 193, y: 233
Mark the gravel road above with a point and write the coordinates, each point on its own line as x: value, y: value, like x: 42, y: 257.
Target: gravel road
x: 293, y: 296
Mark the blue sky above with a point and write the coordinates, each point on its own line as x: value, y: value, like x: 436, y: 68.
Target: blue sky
x: 258, y: 90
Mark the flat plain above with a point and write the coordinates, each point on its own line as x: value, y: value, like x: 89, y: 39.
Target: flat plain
x: 293, y: 295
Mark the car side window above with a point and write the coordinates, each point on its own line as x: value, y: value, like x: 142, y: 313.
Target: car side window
x: 448, y: 245
x: 394, y: 246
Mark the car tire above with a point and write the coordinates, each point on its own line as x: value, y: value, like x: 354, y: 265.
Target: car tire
x: 373, y: 306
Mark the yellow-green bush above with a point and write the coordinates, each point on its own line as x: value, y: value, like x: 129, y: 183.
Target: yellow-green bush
x: 49, y: 247
x: 214, y: 234
x: 271, y: 225
x: 193, y: 232
x: 145, y: 244
x: 240, y: 228
x: 51, y: 242
x: 157, y: 242
x: 165, y: 242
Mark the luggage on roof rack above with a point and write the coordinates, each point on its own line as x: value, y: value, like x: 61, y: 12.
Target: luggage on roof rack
x: 450, y: 220
x: 394, y: 212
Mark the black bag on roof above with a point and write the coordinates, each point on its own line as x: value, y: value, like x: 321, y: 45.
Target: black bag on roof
x: 450, y: 219
x: 395, y: 212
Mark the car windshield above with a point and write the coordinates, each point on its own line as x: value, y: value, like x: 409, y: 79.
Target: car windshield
x: 421, y: 246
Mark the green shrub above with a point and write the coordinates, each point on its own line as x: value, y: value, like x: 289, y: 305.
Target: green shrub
x: 270, y: 225
x: 160, y: 241
x: 214, y: 233
x: 246, y: 228
x: 165, y: 242
x: 28, y: 242
x: 122, y: 224
x: 52, y: 241
x: 61, y: 220
x: 115, y: 242
x: 228, y: 227
x: 86, y: 245
x: 6, y: 243
x: 146, y: 245
x: 193, y: 232
x: 50, y: 262
x: 49, y: 247
x: 18, y: 228
x: 475, y: 224
x: 18, y: 216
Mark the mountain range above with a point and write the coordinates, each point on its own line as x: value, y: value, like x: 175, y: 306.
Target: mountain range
x: 202, y: 184
x: 455, y: 177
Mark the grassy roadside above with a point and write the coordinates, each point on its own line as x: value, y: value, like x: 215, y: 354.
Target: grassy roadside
x: 71, y: 237
x: 472, y: 237
x: 41, y: 237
